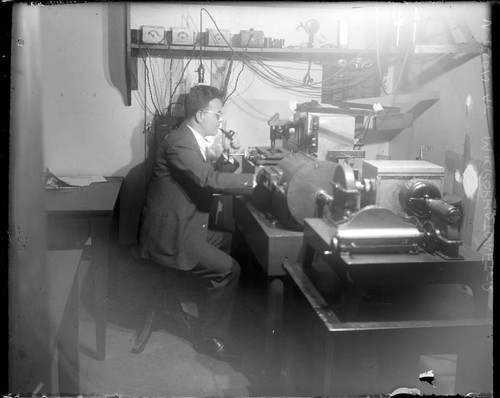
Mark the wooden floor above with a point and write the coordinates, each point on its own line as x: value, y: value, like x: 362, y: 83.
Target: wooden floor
x: 170, y: 367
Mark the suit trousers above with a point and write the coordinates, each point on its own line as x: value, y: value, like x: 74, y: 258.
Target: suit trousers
x: 221, y: 273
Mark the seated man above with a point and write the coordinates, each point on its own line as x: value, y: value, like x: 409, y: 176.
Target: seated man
x: 174, y: 220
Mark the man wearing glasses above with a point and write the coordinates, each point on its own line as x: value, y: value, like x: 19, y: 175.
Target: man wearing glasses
x: 174, y: 220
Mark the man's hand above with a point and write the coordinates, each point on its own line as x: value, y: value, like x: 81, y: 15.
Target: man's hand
x: 232, y: 143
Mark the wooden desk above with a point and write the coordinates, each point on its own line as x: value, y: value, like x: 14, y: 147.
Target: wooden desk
x: 92, y: 206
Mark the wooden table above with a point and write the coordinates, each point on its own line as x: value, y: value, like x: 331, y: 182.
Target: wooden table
x: 324, y: 348
x: 95, y: 208
x: 357, y: 271
x: 409, y: 325
x: 271, y: 244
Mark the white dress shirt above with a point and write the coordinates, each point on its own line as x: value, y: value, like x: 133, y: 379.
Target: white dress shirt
x: 202, y: 142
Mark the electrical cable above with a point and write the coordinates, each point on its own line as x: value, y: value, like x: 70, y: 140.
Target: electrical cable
x: 201, y: 69
x: 170, y: 83
x: 307, y: 78
x: 247, y: 60
x: 157, y: 88
x: 238, y: 77
x: 287, y: 67
x: 235, y: 85
x: 158, y: 100
x: 152, y: 71
x: 137, y: 94
x: 366, y: 125
x: 234, y: 53
x: 229, y: 70
x: 146, y: 74
x: 271, y: 76
x: 241, y: 58
x: 274, y: 78
x: 182, y: 75
x: 162, y: 83
x: 297, y: 83
x: 256, y: 64
x: 246, y: 89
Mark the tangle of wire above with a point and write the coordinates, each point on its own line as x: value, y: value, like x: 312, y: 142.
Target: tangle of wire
x: 152, y: 85
x: 266, y: 73
x: 181, y: 77
x: 146, y: 73
x: 239, y: 74
x: 271, y: 76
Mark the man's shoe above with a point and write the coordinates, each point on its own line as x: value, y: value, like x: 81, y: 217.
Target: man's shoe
x: 216, y: 348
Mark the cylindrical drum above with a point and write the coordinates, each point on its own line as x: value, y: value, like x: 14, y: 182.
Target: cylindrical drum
x: 302, y: 178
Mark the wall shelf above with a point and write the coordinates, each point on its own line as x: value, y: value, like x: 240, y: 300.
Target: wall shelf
x: 275, y: 54
x: 294, y: 53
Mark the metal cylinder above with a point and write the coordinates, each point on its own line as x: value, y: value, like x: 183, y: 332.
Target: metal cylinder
x: 303, y: 185
x: 445, y: 211
x: 379, y: 233
x: 299, y: 182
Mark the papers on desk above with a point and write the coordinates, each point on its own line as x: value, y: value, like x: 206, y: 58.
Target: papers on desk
x: 53, y: 182
x: 81, y: 181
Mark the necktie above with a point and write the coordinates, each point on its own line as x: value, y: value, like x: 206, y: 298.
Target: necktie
x: 207, y: 155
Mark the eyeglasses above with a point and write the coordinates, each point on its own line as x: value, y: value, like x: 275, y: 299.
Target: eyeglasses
x: 219, y: 114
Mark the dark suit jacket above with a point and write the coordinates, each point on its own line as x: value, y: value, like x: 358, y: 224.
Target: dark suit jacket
x: 175, y: 213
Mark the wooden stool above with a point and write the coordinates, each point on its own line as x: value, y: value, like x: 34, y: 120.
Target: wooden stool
x: 171, y: 277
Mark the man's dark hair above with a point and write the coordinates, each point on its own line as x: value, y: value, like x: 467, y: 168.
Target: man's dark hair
x: 198, y: 99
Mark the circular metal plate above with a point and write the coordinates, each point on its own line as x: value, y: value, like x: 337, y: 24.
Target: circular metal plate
x: 302, y: 188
